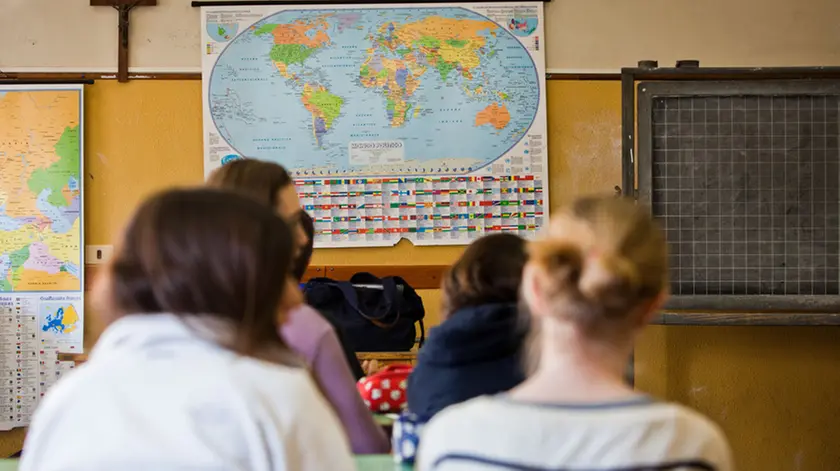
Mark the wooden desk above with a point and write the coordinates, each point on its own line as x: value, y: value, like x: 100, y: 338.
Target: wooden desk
x: 389, y: 358
x: 379, y: 463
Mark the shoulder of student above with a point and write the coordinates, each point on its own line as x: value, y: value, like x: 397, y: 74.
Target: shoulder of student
x: 459, y: 420
x: 486, y: 419
x: 275, y: 383
x: 708, y: 436
x: 305, y: 328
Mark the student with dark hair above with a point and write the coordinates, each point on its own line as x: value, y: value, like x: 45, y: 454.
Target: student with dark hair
x: 301, y: 263
x: 591, y: 285
x: 305, y: 330
x: 191, y: 372
x: 476, y: 350
x: 300, y: 266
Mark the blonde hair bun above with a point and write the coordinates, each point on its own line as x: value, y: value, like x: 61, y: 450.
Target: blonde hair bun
x: 609, y: 279
x: 601, y: 258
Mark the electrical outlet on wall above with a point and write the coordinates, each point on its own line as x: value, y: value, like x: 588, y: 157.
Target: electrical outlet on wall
x: 98, y: 254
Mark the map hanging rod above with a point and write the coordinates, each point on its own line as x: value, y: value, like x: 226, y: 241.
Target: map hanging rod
x: 234, y: 3
x: 14, y: 81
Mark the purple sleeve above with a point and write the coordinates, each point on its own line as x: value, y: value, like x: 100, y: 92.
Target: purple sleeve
x: 333, y: 374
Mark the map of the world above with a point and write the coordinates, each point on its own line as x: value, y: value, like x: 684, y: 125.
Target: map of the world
x: 373, y: 91
x: 421, y: 121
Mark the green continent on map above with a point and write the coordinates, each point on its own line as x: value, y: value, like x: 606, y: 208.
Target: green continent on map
x: 55, y: 177
x: 294, y: 42
x: 17, y: 259
x: 444, y: 68
x: 289, y: 54
x: 264, y: 29
x: 324, y: 106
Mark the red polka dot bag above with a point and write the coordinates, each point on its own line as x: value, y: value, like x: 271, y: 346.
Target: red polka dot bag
x: 384, y: 391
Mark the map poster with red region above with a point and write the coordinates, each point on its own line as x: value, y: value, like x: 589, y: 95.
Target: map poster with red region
x: 41, y: 241
x: 424, y: 122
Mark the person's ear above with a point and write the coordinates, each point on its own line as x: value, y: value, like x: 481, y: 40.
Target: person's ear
x: 531, y: 292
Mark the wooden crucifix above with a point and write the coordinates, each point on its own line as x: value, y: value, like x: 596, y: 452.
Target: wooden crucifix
x: 123, y: 8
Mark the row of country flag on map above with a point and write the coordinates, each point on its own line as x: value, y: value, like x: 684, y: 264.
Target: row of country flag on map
x: 432, y: 192
x: 427, y: 217
x: 421, y: 204
x: 420, y: 230
x: 371, y: 181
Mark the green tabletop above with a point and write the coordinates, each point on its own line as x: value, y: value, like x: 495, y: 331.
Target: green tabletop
x: 384, y: 420
x: 12, y: 464
x: 379, y: 463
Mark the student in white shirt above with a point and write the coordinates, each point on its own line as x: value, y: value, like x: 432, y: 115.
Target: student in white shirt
x: 591, y: 285
x: 191, y: 373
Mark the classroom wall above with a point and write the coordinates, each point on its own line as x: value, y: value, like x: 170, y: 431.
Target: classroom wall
x: 772, y: 389
x: 580, y: 34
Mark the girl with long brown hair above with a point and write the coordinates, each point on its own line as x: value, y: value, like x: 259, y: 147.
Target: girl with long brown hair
x: 191, y: 372
x: 307, y: 332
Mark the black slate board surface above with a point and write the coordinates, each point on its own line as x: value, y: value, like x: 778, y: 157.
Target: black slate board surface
x: 747, y: 187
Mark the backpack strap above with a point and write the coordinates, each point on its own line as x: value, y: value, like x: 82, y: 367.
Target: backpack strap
x: 389, y: 291
x: 422, y: 334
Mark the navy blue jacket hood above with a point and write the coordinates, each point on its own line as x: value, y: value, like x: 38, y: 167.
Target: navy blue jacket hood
x: 475, y: 352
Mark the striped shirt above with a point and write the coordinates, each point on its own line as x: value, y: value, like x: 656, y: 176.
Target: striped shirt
x: 499, y: 433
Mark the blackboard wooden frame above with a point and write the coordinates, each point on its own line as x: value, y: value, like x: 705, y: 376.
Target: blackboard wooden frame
x: 647, y: 92
x: 630, y: 75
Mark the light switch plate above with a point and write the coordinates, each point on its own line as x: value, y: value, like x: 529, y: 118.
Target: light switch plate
x: 98, y: 254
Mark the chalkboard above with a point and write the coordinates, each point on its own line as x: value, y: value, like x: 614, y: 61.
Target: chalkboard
x: 745, y: 179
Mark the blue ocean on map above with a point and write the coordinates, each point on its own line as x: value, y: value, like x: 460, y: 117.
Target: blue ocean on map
x: 373, y: 75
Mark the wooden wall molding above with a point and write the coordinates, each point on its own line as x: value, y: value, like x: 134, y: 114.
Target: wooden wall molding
x: 23, y: 76
x: 418, y: 276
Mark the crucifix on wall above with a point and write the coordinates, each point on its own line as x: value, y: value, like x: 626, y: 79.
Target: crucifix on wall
x: 123, y: 8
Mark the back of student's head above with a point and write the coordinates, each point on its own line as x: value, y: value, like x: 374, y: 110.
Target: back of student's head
x: 206, y: 254
x: 266, y: 182
x: 602, y: 265
x: 301, y: 262
x: 258, y: 179
x: 489, y: 272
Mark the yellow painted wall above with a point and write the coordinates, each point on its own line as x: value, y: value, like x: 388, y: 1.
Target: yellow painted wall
x: 772, y: 389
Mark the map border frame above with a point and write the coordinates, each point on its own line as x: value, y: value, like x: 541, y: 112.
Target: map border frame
x: 80, y: 88
x: 540, y: 80
x: 214, y: 158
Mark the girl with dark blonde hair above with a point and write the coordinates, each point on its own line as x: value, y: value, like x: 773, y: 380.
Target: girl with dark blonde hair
x: 591, y: 285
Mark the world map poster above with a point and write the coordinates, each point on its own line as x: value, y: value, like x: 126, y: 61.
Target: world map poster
x: 41, y: 242
x: 418, y: 121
